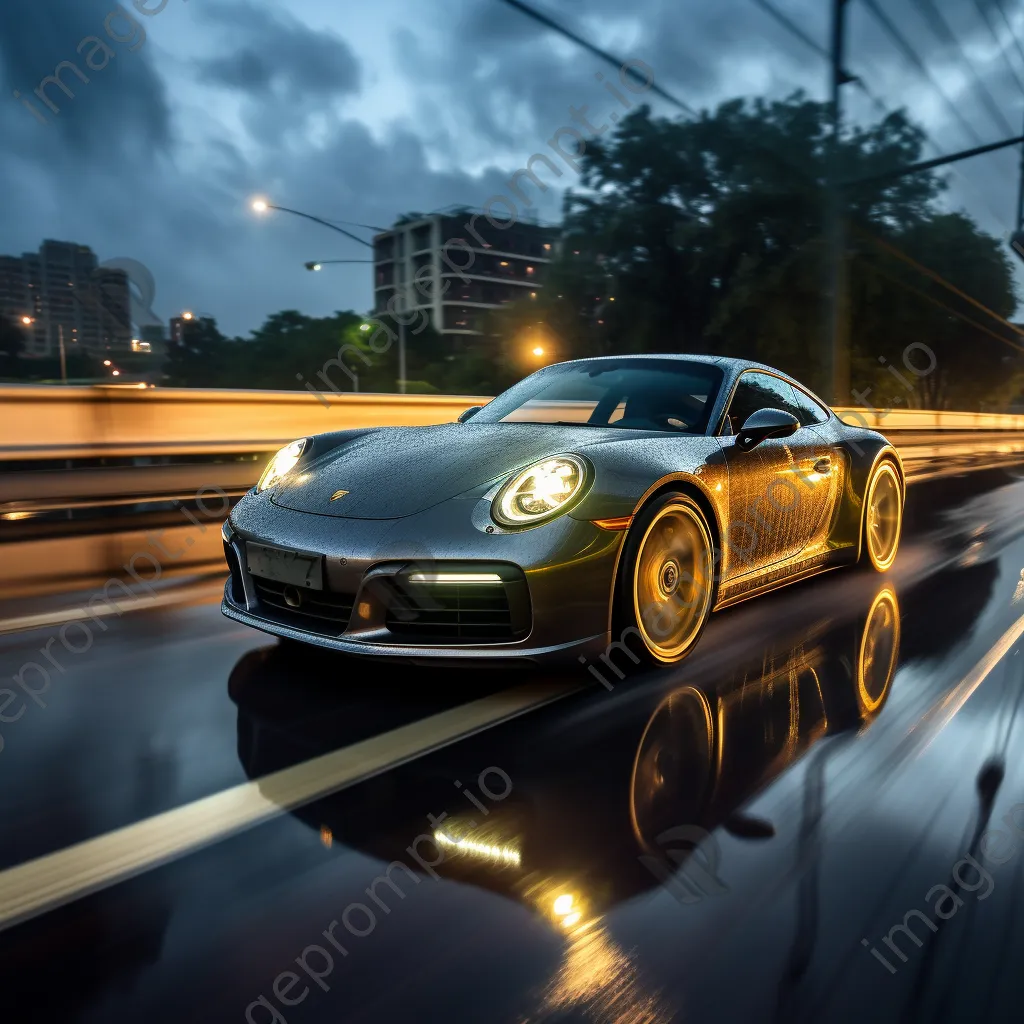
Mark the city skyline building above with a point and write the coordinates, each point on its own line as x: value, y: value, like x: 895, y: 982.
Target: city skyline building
x: 456, y: 266
x: 68, y: 297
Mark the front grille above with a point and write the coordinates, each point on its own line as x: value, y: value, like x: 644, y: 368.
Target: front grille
x: 458, y: 612
x: 322, y: 611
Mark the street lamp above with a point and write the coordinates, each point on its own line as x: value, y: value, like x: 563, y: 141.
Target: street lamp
x: 26, y: 320
x: 538, y: 351
x: 186, y: 316
x: 261, y: 206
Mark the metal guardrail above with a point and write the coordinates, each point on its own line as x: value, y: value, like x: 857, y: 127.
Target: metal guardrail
x: 79, y: 447
x: 125, y: 452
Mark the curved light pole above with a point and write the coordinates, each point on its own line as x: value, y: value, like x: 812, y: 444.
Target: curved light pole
x: 262, y: 206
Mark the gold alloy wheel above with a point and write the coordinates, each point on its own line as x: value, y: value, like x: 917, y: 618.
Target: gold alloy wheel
x: 672, y: 580
x: 883, y: 516
x: 879, y: 649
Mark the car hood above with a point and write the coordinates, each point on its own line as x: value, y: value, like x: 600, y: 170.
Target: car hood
x: 398, y: 471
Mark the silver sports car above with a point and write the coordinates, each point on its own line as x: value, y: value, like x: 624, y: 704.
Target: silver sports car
x: 599, y: 505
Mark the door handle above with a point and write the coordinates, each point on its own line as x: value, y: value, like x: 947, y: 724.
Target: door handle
x: 823, y: 465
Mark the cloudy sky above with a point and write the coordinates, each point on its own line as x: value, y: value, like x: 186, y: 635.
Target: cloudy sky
x: 360, y: 112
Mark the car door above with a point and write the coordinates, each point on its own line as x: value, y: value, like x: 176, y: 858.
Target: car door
x: 778, y: 492
x: 821, y: 467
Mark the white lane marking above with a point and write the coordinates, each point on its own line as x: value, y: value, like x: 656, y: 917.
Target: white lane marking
x: 922, y: 733
x: 937, y: 717
x: 32, y: 888
x: 114, y: 605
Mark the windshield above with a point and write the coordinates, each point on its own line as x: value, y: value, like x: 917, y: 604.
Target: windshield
x: 632, y: 394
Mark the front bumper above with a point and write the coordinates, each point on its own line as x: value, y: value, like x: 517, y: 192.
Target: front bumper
x: 556, y: 581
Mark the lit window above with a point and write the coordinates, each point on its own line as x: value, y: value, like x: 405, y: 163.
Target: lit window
x: 547, y: 245
x: 504, y: 263
x: 529, y: 270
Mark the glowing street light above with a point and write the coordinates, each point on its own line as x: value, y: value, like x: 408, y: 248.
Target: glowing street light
x: 186, y: 316
x: 106, y: 362
x: 538, y: 351
x: 364, y: 327
x: 260, y: 205
x: 317, y: 266
x: 116, y: 373
x: 26, y: 320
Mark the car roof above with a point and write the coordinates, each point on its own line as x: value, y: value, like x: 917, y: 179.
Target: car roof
x: 725, y: 362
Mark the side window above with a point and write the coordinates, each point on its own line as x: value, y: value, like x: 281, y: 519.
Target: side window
x: 810, y: 412
x: 757, y: 391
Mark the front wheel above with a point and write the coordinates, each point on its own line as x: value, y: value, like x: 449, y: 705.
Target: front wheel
x: 883, y: 516
x: 668, y: 578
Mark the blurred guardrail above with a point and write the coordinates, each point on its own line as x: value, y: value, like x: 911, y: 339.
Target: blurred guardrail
x: 87, y: 474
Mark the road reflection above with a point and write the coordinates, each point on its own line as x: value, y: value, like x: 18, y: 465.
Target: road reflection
x: 612, y: 795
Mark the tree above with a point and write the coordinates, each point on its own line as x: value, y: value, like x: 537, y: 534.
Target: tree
x: 708, y: 236
x: 203, y: 358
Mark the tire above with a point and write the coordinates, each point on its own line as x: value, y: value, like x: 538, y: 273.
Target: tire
x: 666, y: 586
x: 883, y: 517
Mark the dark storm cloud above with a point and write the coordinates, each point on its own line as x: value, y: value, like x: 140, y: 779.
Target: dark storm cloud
x: 125, y: 95
x: 160, y: 170
x: 276, y: 53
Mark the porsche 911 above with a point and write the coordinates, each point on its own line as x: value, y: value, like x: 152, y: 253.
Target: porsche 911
x: 603, y: 503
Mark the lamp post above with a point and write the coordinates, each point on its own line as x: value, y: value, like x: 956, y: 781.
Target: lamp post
x: 260, y: 205
x: 63, y: 360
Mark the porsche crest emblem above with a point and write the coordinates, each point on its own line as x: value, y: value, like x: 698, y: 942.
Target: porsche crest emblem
x: 338, y: 494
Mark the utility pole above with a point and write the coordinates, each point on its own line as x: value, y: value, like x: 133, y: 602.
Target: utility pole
x: 837, y: 341
x: 401, y: 359
x: 63, y: 361
x: 1020, y: 194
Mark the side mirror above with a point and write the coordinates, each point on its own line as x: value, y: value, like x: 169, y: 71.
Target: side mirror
x: 763, y: 424
x: 469, y: 412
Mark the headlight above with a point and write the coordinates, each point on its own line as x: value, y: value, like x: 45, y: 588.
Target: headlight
x: 541, y: 492
x: 282, y: 464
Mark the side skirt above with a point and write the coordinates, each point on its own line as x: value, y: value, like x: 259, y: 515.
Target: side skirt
x: 728, y: 597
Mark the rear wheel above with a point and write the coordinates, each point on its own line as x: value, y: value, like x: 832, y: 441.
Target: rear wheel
x: 883, y: 516
x: 668, y: 578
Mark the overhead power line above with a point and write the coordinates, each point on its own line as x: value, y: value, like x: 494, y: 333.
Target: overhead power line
x: 549, y: 22
x: 940, y: 27
x: 912, y: 55
x: 1009, y: 28
x: 787, y: 22
x: 986, y: 16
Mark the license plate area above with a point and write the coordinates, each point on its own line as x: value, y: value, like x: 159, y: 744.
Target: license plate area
x: 283, y: 566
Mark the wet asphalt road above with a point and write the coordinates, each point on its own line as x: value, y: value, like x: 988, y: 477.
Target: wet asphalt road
x: 833, y: 752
